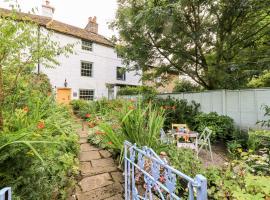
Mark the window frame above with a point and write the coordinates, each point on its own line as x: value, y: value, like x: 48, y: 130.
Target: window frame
x: 89, y: 71
x: 87, y: 97
x: 86, y: 47
x: 123, y: 78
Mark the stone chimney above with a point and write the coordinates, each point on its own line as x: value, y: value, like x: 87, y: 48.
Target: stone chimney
x: 92, y: 25
x: 47, y: 9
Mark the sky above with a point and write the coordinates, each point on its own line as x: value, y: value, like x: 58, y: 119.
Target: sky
x: 76, y: 12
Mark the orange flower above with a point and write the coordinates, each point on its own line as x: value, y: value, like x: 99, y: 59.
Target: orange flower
x: 91, y: 124
x: 41, y: 125
x: 131, y: 107
x: 26, y: 109
x: 110, y: 143
x: 87, y: 115
x: 99, y: 132
x: 174, y: 107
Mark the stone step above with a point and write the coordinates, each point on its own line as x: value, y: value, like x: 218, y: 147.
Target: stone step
x: 104, y: 162
x: 90, y: 183
x: 116, y: 197
x: 89, y: 155
x: 87, y: 169
x: 88, y: 147
x: 105, y: 154
x: 108, y: 191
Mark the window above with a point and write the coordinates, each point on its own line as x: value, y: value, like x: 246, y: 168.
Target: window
x: 120, y: 73
x: 86, y: 69
x: 86, y: 94
x: 87, y: 45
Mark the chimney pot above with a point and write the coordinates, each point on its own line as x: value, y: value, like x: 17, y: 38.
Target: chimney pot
x: 92, y: 25
x: 47, y: 9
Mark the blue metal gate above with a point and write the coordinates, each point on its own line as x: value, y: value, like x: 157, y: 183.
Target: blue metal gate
x: 5, y: 193
x: 149, y: 177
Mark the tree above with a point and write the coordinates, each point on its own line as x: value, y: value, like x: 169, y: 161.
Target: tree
x: 217, y: 43
x: 23, y: 44
x: 261, y: 81
x: 186, y: 86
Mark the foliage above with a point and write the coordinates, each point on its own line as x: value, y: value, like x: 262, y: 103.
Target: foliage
x: 23, y: 44
x: 234, y: 182
x: 261, y: 81
x: 146, y: 92
x: 223, y: 45
x: 38, y: 145
x: 258, y: 139
x: 186, y: 86
x: 222, y: 126
x: 138, y: 124
x: 177, y: 111
x: 266, y: 121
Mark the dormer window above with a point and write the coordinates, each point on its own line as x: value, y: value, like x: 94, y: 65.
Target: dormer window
x: 87, y: 45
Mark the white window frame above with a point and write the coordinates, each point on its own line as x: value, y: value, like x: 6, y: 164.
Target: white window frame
x: 85, y: 96
x: 124, y: 76
x: 91, y: 71
x: 87, y: 45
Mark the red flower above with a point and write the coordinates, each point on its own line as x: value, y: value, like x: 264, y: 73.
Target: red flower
x: 41, y: 125
x: 162, y: 179
x: 26, y: 109
x: 87, y: 115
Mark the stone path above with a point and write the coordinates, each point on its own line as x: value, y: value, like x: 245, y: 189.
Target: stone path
x: 100, y: 177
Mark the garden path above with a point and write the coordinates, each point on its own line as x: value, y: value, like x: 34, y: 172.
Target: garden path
x: 100, y: 179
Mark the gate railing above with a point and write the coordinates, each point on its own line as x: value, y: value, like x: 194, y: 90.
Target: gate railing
x: 148, y: 176
x: 5, y: 193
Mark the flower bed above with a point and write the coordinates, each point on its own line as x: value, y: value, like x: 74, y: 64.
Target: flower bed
x: 140, y: 123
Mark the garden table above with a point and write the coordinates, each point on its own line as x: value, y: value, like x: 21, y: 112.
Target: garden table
x: 187, y: 143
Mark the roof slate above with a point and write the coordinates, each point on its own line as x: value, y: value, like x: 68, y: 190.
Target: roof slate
x: 60, y: 27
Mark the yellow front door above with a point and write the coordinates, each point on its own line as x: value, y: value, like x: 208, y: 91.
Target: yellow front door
x: 63, y: 95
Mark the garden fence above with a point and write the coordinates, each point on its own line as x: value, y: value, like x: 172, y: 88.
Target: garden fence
x: 147, y: 176
x: 244, y: 106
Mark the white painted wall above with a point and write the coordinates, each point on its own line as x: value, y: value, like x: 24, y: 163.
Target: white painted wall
x: 245, y: 107
x: 104, y: 61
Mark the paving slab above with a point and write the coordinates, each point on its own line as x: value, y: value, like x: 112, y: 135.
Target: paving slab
x: 117, y: 177
x: 88, y: 147
x: 94, y: 182
x: 116, y: 197
x: 105, y: 162
x: 89, y: 155
x: 105, y: 154
x: 104, y: 192
x: 99, y: 170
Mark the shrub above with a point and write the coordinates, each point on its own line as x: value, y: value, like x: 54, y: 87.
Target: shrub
x: 222, y: 126
x: 235, y: 182
x: 258, y: 139
x: 177, y: 111
x: 38, y: 145
x: 186, y: 86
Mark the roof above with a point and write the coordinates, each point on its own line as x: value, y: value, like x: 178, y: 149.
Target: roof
x: 61, y: 27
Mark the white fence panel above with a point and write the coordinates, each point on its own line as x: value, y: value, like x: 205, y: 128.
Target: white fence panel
x: 244, y: 106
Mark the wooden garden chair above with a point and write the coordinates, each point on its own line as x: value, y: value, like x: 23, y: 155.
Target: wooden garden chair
x: 204, y: 141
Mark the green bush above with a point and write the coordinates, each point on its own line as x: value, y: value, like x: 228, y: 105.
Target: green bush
x: 38, y: 145
x: 222, y: 126
x: 186, y: 86
x: 258, y: 139
x: 235, y: 182
x: 178, y: 111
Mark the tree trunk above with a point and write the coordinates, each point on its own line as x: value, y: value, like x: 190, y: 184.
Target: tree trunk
x: 1, y: 98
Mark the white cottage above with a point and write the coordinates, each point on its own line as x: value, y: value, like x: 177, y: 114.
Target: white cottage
x: 94, y: 71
